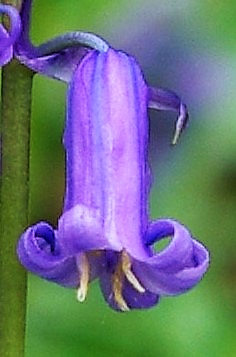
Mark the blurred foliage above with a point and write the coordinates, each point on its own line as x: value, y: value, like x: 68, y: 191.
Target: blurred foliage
x: 190, y: 47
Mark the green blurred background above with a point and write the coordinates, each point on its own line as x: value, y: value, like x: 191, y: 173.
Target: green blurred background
x: 188, y: 46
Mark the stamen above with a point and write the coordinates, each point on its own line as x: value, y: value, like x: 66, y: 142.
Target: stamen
x: 126, y: 268
x: 117, y: 285
x: 84, y: 269
x: 123, y: 269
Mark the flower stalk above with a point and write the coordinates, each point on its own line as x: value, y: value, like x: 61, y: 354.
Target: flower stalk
x: 15, y: 138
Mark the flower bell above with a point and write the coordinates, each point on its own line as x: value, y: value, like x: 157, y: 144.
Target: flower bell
x: 104, y: 231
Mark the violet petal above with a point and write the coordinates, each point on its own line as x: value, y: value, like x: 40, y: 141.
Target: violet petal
x: 176, y: 269
x: 39, y: 251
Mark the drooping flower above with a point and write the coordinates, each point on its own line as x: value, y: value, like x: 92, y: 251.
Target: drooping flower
x: 105, y: 231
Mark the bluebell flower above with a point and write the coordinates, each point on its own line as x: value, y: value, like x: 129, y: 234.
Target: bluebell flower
x: 105, y: 232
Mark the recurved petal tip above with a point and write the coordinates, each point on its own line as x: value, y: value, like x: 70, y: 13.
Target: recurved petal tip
x: 177, y: 268
x: 38, y: 252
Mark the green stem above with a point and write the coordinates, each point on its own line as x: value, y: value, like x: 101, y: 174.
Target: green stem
x: 15, y: 132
